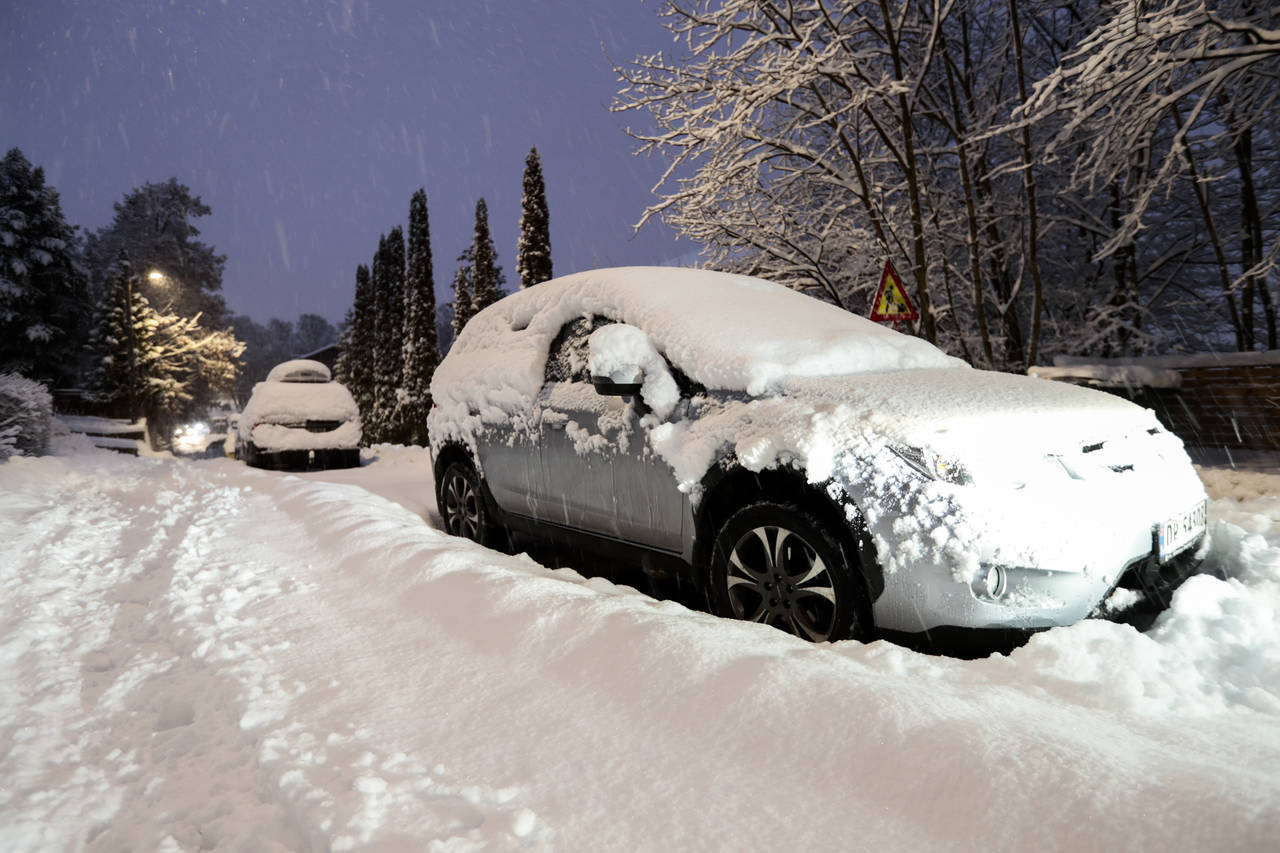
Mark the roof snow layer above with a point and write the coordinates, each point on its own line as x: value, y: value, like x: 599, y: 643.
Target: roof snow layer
x: 729, y: 332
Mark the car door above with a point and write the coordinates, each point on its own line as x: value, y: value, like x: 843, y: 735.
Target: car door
x: 598, y: 472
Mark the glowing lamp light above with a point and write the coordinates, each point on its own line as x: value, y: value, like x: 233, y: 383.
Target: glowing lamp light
x: 155, y: 277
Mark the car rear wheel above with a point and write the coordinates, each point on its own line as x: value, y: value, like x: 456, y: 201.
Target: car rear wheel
x: 462, y: 506
x: 775, y: 563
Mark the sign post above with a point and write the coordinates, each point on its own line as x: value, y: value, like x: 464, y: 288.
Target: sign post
x: 892, y: 303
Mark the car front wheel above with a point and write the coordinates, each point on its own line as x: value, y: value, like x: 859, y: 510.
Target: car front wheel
x: 461, y: 504
x: 775, y: 563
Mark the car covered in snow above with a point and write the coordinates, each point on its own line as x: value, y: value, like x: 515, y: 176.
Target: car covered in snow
x: 299, y: 418
x: 802, y: 466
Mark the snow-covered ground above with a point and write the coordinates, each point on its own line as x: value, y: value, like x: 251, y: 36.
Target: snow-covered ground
x: 199, y: 656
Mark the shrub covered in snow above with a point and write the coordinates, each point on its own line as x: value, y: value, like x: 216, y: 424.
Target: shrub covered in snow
x: 26, y: 411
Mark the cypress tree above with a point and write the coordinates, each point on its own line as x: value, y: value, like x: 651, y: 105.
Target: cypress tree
x: 486, y: 275
x: 388, y: 355
x: 533, y: 251
x: 461, y: 296
x: 354, y: 367
x: 378, y: 286
x: 421, y: 351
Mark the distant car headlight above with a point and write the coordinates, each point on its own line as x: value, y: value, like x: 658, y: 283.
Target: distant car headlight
x: 932, y: 465
x: 192, y: 430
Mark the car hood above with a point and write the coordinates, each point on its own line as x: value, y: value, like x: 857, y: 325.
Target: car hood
x: 960, y: 409
x: 1003, y: 429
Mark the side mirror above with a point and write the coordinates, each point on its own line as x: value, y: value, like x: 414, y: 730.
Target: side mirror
x: 624, y: 363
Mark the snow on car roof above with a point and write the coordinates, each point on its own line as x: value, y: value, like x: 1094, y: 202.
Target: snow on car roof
x: 729, y: 332
x: 300, y: 370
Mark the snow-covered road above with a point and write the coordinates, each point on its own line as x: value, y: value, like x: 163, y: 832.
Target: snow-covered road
x: 198, y: 656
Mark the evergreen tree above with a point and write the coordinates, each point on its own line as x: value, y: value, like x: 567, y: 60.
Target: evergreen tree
x: 355, y: 361
x: 421, y: 351
x: 462, y: 304
x: 374, y: 417
x: 388, y: 353
x: 485, y: 274
x: 117, y: 343
x: 533, y: 251
x: 42, y: 286
x: 154, y: 225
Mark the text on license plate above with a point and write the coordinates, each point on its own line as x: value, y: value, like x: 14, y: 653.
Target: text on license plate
x: 1178, y: 532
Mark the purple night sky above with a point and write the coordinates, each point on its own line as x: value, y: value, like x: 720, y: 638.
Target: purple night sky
x: 306, y: 126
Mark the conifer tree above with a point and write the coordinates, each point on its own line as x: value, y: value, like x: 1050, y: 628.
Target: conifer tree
x: 388, y: 348
x: 355, y: 362
x: 486, y: 276
x: 533, y: 251
x: 375, y: 420
x: 462, y: 305
x: 42, y: 289
x: 155, y: 224
x: 118, y: 343
x: 421, y: 352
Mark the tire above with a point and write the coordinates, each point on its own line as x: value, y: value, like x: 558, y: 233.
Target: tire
x: 776, y: 563
x: 460, y: 500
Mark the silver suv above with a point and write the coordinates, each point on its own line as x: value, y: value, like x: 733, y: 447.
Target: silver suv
x: 802, y: 466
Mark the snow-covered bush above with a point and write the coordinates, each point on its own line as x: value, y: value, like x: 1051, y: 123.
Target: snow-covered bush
x: 26, y: 411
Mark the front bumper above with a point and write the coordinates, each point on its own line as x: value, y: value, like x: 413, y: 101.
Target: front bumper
x: 1059, y: 552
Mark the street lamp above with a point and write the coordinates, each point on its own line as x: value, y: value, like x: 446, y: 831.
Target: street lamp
x: 156, y: 277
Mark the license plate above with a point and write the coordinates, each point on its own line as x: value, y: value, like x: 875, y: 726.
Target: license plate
x: 1176, y: 533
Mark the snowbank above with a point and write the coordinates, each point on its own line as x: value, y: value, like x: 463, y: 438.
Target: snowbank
x: 196, y: 655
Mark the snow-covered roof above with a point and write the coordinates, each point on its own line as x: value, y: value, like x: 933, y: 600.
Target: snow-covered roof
x: 728, y: 332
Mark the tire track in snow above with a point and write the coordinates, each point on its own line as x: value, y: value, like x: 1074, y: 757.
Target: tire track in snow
x: 153, y: 749
x: 279, y: 624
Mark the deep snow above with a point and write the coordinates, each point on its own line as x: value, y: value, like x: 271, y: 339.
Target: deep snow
x: 196, y: 655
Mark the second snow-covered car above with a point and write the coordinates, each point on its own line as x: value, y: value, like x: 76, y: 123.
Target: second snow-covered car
x: 299, y: 418
x: 803, y: 466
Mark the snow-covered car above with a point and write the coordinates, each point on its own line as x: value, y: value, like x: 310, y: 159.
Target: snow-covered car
x: 299, y: 418
x: 803, y: 466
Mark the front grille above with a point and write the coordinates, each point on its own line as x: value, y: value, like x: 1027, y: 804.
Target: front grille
x: 323, y: 426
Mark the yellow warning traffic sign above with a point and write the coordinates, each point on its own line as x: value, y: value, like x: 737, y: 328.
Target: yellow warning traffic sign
x: 892, y: 303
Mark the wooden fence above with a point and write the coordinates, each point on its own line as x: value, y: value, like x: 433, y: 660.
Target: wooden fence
x: 1229, y: 400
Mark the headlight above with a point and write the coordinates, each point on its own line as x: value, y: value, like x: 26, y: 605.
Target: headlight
x: 193, y: 430
x: 932, y: 465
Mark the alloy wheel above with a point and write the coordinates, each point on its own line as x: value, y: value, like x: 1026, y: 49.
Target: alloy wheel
x: 774, y: 576
x: 461, y: 506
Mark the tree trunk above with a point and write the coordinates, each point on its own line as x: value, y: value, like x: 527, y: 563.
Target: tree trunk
x: 1029, y: 192
x: 921, y: 263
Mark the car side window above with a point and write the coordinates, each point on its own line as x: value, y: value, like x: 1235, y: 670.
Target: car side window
x: 567, y: 360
